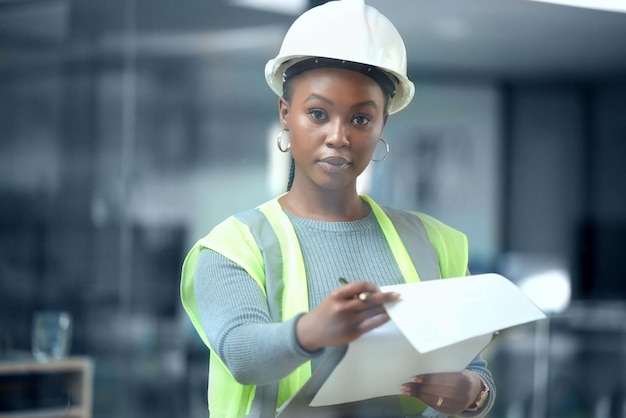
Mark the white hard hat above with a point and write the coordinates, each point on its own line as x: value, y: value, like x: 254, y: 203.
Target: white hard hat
x: 345, y: 30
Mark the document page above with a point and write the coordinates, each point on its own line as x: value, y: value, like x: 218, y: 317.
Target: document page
x: 437, y: 326
x: 378, y: 363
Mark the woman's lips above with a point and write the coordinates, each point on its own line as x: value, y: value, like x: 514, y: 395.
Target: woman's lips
x: 334, y: 164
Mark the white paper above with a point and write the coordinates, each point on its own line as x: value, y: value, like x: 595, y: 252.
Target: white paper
x: 437, y: 326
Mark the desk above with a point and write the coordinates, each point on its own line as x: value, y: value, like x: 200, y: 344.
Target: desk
x: 74, y: 375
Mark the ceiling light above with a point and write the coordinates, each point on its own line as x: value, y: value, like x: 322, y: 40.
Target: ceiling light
x: 606, y: 5
x: 201, y: 43
x: 292, y: 7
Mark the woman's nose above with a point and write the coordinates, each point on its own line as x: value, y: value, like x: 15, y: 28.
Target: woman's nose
x: 338, y: 135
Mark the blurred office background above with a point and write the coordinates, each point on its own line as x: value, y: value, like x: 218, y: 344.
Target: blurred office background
x: 128, y: 128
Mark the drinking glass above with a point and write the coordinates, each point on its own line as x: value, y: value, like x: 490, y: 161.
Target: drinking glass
x: 51, y: 335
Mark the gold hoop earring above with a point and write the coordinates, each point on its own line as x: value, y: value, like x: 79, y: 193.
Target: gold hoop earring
x: 377, y: 160
x: 279, y: 141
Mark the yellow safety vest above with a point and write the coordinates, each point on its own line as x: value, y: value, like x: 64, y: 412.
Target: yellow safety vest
x: 279, y: 271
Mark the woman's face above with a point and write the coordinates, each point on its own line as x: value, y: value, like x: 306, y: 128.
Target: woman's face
x: 335, y: 118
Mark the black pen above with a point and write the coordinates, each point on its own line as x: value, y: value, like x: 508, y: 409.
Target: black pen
x: 361, y: 296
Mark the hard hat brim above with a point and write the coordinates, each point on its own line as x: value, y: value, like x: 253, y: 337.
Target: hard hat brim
x: 275, y: 69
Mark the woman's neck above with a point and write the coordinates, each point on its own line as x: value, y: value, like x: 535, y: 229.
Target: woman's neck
x: 330, y: 206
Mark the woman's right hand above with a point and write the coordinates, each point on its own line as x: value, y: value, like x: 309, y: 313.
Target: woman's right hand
x: 344, y: 315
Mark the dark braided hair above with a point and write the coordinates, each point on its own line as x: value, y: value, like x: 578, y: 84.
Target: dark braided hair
x: 292, y: 170
x: 287, y: 96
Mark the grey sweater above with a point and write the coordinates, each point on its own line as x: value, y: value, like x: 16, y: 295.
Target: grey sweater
x: 234, y: 310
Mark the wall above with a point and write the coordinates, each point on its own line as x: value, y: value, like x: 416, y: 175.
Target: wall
x: 566, y: 151
x: 445, y: 160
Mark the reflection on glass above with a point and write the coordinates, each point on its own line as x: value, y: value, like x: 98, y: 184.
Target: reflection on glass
x: 51, y: 335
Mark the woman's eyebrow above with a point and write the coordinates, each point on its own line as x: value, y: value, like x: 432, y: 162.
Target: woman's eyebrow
x: 314, y: 96
x: 365, y: 103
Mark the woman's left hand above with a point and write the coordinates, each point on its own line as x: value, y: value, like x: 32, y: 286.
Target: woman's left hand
x: 449, y: 393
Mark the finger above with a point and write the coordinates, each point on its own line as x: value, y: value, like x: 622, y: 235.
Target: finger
x: 442, y: 398
x: 369, y: 291
x: 366, y: 299
x: 434, y: 400
x: 446, y: 381
x: 364, y: 309
x: 361, y: 296
x: 379, y: 297
x: 372, y: 322
x: 353, y: 289
x: 429, y: 387
x: 420, y: 390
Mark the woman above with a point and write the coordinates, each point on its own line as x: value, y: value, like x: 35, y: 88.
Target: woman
x: 262, y: 288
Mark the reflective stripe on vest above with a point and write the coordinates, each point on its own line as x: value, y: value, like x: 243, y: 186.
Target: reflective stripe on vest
x: 264, y: 243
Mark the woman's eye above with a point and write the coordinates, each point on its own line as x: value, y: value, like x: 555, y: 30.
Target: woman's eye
x: 317, y: 114
x: 361, y: 120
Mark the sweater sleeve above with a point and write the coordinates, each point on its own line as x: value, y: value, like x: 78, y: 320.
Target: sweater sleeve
x: 235, y: 317
x: 479, y: 366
